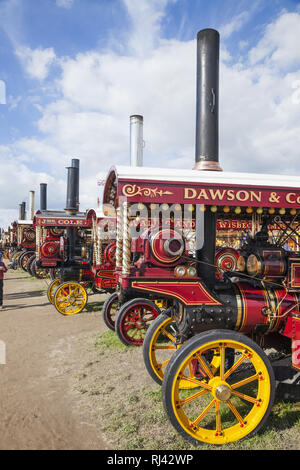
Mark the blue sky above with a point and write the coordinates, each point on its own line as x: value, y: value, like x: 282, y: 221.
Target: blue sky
x: 75, y: 70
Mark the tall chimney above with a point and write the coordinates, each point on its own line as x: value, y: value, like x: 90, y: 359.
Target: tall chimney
x: 43, y: 196
x: 207, y: 139
x: 72, y: 202
x: 136, y: 140
x: 75, y: 164
x: 20, y: 211
x: 207, y: 104
x: 31, y: 204
x: 23, y: 211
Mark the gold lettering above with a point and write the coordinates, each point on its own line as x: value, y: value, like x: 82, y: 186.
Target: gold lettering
x: 217, y: 194
x: 202, y: 194
x: 187, y: 194
x: 230, y: 195
x: 242, y: 196
x: 254, y: 195
x: 288, y: 198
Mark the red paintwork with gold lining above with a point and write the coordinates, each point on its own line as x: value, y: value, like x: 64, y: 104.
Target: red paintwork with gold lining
x: 258, y: 306
x: 209, y: 194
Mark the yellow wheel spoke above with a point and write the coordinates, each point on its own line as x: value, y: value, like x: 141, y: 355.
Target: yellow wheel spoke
x: 163, y: 364
x: 235, y: 412
x: 245, y: 381
x: 163, y: 347
x: 222, y: 364
x: 235, y: 366
x: 197, y: 382
x: 244, y: 397
x: 169, y: 335
x: 205, y: 366
x: 218, y: 417
x: 193, y: 397
x: 204, y: 413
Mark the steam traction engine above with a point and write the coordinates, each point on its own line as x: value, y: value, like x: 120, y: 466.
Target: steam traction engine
x: 209, y: 350
x: 25, y: 241
x: 79, y: 247
x: 52, y: 245
x: 8, y: 241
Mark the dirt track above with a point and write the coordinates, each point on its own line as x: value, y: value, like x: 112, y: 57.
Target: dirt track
x: 37, y: 409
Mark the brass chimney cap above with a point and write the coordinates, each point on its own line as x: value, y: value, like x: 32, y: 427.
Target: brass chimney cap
x: 207, y: 165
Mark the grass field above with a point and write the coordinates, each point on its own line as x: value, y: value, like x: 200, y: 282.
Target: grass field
x: 130, y: 411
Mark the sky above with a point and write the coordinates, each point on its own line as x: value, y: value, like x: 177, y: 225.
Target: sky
x: 73, y: 71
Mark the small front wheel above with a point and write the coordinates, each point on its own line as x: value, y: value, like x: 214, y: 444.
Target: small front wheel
x: 159, y: 346
x: 110, y: 310
x: 52, y: 289
x: 133, y: 320
x: 70, y: 298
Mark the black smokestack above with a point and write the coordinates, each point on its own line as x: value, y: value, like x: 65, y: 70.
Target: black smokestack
x: 207, y: 138
x: 207, y: 106
x: 75, y: 164
x: 72, y: 202
x: 23, y: 211
x: 43, y: 196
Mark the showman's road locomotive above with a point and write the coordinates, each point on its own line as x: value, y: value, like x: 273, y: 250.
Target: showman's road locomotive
x: 22, y: 236
x: 79, y: 246
x: 210, y: 349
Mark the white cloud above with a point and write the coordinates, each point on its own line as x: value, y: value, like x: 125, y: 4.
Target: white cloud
x: 7, y: 216
x: 146, y: 17
x: 235, y: 24
x: 259, y: 107
x: 279, y: 45
x: 16, y: 180
x: 36, y: 62
x: 65, y: 3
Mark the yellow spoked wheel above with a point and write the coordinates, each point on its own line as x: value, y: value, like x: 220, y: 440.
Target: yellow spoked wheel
x: 52, y: 289
x: 229, y: 405
x: 70, y: 298
x: 17, y: 255
x: 159, y: 346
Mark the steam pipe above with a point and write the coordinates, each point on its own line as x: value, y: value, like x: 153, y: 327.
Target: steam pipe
x: 31, y: 204
x: 136, y: 140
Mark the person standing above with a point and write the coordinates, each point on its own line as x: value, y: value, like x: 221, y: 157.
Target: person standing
x: 3, y: 270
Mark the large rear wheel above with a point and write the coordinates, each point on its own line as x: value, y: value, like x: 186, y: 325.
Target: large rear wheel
x: 230, y: 404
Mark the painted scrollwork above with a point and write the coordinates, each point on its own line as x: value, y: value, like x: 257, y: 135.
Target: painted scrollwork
x: 131, y: 190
